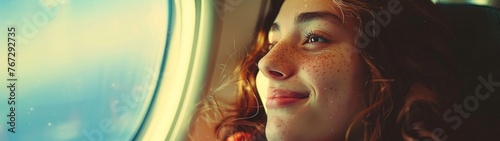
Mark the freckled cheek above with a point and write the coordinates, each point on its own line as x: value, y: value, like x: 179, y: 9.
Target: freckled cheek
x: 326, y: 71
x: 331, y: 75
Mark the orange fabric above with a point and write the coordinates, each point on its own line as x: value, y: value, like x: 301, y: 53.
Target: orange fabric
x: 240, y: 136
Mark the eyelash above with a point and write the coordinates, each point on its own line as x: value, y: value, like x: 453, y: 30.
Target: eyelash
x: 312, y: 34
x: 308, y: 36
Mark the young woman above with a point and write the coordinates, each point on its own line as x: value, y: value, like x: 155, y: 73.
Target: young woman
x: 331, y: 70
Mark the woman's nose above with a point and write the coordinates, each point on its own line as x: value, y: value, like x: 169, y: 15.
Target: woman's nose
x: 277, y: 63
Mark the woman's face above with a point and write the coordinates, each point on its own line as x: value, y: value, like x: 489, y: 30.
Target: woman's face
x: 311, y: 80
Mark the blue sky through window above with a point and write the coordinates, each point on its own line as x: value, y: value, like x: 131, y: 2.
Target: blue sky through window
x: 85, y: 70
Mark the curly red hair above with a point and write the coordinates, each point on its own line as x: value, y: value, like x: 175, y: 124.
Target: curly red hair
x: 410, y: 76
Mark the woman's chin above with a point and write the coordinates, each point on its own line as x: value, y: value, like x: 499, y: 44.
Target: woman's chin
x: 280, y: 129
x: 278, y: 135
x: 288, y: 129
x: 283, y: 135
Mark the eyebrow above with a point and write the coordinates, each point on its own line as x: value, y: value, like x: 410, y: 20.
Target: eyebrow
x: 310, y: 16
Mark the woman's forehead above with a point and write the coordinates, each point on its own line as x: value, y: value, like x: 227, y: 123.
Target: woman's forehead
x: 292, y: 9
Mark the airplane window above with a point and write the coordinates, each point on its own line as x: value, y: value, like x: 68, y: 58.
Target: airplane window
x: 82, y: 70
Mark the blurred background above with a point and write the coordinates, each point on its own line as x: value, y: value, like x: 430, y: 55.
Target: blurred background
x: 493, y: 3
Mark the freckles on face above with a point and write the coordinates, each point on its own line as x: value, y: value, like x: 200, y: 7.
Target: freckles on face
x: 333, y: 78
x: 329, y: 65
x: 332, y: 74
x: 313, y: 55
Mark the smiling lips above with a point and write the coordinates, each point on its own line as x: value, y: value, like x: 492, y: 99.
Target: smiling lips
x: 279, y: 98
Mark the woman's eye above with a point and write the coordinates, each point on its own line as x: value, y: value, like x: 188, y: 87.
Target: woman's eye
x: 316, y: 41
x: 313, y: 39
